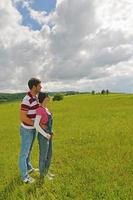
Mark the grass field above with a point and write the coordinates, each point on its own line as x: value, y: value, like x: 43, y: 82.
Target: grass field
x: 93, y: 150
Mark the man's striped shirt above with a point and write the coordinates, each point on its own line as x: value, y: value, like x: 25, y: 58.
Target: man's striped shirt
x: 30, y: 104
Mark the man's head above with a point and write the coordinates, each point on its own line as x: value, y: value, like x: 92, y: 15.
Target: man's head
x: 34, y: 85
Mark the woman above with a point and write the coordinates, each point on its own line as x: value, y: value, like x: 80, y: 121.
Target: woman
x: 43, y: 124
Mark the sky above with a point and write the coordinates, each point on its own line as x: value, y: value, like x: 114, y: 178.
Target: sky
x: 70, y: 45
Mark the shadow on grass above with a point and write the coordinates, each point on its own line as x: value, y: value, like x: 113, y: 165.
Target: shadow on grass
x: 17, y: 184
x: 10, y: 188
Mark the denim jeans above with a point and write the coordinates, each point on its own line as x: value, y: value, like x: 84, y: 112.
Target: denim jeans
x: 45, y: 154
x: 45, y: 149
x: 49, y: 124
x: 27, y: 140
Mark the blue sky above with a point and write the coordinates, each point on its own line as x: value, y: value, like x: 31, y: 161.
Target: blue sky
x: 38, y: 5
x: 46, y: 5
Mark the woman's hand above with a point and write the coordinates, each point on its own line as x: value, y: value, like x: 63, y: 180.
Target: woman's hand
x: 48, y: 136
x: 43, y: 126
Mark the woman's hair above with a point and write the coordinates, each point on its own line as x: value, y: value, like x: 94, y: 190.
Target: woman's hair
x: 42, y: 96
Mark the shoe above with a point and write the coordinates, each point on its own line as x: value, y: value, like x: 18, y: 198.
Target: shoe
x: 29, y: 180
x: 50, y: 174
x: 33, y: 170
x: 49, y: 177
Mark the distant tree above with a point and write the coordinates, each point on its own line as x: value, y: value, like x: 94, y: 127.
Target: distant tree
x: 103, y: 92
x: 70, y: 93
x: 58, y: 97
x: 93, y: 92
x: 107, y: 91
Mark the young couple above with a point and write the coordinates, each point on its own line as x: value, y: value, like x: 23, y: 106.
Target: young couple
x: 35, y: 117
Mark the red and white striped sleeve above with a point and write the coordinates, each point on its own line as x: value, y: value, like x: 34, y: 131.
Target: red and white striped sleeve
x: 25, y: 105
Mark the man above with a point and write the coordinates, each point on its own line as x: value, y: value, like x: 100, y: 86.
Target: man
x: 27, y: 131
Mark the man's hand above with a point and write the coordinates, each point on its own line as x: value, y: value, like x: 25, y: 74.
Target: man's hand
x: 24, y: 118
x: 53, y: 134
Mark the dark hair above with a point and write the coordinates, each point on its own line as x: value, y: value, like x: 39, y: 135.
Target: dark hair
x: 33, y: 82
x: 42, y: 96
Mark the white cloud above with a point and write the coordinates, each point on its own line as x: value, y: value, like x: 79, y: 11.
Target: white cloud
x: 22, y: 50
x: 87, y: 46
x: 116, y: 15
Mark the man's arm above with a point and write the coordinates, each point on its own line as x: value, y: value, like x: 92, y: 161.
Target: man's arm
x: 25, y: 119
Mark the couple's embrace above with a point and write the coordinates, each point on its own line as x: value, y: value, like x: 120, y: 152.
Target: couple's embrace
x: 35, y: 118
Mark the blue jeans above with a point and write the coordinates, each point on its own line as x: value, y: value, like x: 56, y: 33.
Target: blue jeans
x: 45, y: 154
x: 27, y: 140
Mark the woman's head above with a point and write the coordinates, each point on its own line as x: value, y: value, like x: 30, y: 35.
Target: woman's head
x: 43, y: 97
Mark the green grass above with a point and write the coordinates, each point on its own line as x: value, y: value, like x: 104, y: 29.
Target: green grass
x: 93, y: 150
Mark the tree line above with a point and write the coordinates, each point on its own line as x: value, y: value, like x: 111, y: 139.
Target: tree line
x: 56, y: 96
x: 102, y: 92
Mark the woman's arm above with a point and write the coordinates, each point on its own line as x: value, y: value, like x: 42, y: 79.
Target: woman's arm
x: 39, y: 129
